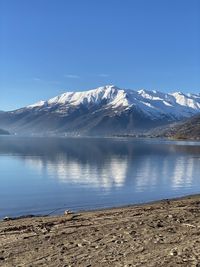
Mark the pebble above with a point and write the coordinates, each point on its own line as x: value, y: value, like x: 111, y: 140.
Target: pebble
x: 173, y: 252
x: 68, y: 212
x: 159, y: 224
x: 6, y: 218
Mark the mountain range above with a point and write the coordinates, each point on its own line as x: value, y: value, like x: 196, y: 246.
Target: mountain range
x: 101, y: 111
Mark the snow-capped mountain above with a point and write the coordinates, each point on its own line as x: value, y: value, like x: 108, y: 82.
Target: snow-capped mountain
x: 107, y: 109
x: 152, y: 103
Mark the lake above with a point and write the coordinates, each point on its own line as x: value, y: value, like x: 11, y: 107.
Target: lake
x: 47, y: 175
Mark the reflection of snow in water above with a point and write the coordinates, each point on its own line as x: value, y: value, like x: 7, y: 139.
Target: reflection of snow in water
x: 111, y: 174
x: 173, y: 173
x: 190, y: 170
x: 179, y: 172
x: 143, y: 174
x: 183, y: 172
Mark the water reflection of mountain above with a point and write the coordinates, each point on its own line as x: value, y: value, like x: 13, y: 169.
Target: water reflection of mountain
x: 108, y: 163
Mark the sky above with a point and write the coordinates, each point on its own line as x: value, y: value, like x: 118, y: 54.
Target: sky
x: 48, y: 47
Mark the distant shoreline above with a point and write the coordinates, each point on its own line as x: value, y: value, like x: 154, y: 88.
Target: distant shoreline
x: 169, y: 138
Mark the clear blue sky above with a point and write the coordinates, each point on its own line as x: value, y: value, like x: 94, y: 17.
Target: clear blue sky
x: 51, y: 46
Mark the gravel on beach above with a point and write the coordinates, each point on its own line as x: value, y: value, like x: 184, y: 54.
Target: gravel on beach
x: 164, y: 233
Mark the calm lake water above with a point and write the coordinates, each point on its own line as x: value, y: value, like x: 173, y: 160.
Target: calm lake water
x: 41, y: 175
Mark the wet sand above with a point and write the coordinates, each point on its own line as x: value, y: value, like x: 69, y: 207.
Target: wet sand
x: 165, y: 233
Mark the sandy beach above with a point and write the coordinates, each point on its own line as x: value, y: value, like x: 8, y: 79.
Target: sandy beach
x: 164, y: 233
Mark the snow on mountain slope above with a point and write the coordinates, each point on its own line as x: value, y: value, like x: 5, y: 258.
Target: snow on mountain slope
x: 94, y: 96
x: 153, y: 104
x: 105, y: 110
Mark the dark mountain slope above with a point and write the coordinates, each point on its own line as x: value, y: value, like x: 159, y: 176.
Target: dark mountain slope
x: 190, y: 129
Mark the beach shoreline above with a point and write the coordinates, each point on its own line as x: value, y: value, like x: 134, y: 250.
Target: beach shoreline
x: 159, y: 233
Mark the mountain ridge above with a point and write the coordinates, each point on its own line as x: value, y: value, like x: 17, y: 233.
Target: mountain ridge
x: 103, y: 110
x: 127, y: 97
